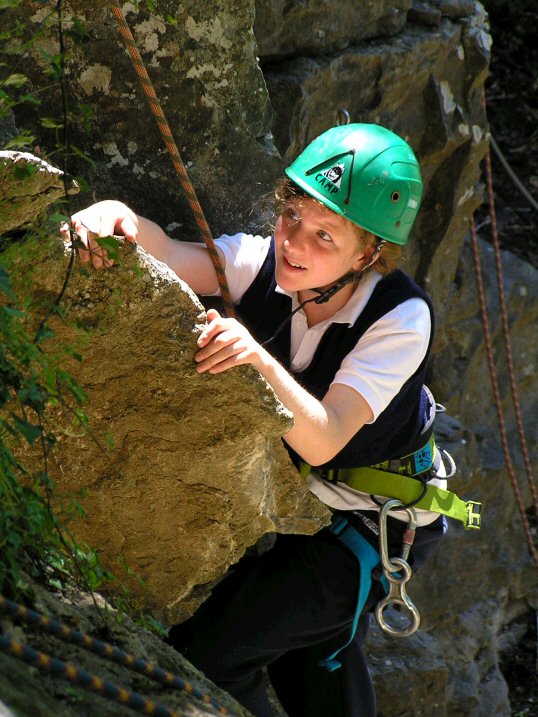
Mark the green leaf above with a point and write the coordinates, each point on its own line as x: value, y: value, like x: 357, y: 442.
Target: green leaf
x: 32, y: 99
x: 5, y: 288
x: 30, y: 431
x: 24, y: 171
x: 17, y: 79
x: 34, y: 396
x: 109, y: 441
x: 79, y: 153
x: 51, y: 123
x: 58, y: 218
x: 21, y: 140
x: 9, y: 3
x: 78, y: 32
x: 110, y: 245
x: 45, y: 333
x: 12, y: 311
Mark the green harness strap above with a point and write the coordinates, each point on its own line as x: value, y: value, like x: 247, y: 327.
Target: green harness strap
x: 404, y: 488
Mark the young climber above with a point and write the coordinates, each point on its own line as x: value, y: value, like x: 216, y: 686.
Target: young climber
x: 343, y: 337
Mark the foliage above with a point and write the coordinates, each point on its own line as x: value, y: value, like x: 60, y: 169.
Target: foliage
x: 35, y: 540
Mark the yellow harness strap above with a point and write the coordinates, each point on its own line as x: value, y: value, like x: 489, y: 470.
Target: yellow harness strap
x: 406, y: 489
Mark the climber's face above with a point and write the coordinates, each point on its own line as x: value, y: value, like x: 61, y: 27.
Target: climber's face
x: 315, y: 246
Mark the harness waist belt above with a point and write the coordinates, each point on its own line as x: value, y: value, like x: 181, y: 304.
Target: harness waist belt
x: 407, y: 489
x: 414, y: 463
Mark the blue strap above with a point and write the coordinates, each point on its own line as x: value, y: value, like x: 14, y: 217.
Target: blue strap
x: 368, y: 559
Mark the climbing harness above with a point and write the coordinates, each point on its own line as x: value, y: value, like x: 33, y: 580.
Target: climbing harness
x: 368, y: 559
x: 403, y: 482
x: 397, y: 572
x: 171, y: 146
x: 380, y: 480
x: 89, y: 681
x: 509, y: 355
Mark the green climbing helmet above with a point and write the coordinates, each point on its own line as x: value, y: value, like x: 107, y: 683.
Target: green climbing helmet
x: 365, y: 173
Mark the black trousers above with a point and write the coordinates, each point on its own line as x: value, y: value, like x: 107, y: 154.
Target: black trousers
x: 286, y: 610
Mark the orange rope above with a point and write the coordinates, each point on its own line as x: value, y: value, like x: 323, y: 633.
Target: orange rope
x: 171, y: 146
x: 506, y: 336
x: 497, y: 397
x: 491, y: 365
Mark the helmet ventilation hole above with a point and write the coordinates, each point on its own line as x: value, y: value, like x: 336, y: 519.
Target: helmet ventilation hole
x: 395, y: 197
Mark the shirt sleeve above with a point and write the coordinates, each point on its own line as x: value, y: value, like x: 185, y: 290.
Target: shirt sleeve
x: 387, y: 354
x: 244, y: 255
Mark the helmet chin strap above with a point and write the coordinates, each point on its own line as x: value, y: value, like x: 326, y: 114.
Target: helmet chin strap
x: 326, y: 294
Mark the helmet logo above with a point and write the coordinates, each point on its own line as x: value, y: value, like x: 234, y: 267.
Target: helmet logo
x: 331, y: 178
x: 335, y: 173
x: 379, y: 179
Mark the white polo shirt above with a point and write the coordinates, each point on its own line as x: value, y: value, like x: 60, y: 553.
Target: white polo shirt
x: 387, y: 354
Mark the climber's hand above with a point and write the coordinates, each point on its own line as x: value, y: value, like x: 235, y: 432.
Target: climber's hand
x: 101, y: 220
x: 225, y: 343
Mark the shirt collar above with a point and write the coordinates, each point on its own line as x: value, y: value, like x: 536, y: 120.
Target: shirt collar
x: 352, y: 309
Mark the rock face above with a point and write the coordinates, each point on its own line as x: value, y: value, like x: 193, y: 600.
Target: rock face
x: 201, y: 57
x: 196, y: 473
x: 317, y: 27
x: 31, y: 694
x: 419, y: 69
x: 28, y: 185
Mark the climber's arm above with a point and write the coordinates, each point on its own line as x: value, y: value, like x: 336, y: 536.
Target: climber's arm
x: 321, y: 428
x: 190, y: 261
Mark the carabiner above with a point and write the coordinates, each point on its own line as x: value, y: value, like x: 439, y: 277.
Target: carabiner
x: 397, y: 572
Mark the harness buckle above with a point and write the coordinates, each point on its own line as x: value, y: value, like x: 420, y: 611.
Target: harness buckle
x: 474, y: 519
x: 328, y: 474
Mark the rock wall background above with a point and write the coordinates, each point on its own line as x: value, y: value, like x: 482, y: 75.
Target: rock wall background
x: 236, y: 101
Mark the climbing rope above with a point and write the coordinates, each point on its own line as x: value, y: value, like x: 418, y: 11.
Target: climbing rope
x: 497, y: 396
x: 85, y: 679
x: 104, y: 649
x: 506, y: 332
x: 171, y: 146
x: 491, y: 364
x: 513, y: 176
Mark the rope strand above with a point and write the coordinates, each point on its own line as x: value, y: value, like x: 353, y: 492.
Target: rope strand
x: 85, y: 679
x: 106, y: 650
x: 506, y: 336
x: 504, y: 316
x: 171, y: 146
x: 497, y: 397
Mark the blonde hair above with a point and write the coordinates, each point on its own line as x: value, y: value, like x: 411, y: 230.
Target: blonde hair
x: 390, y: 255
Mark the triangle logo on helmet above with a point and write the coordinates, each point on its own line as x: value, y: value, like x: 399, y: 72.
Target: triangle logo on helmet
x: 335, y: 173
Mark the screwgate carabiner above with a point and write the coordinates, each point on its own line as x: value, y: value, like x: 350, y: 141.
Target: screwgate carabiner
x: 397, y: 572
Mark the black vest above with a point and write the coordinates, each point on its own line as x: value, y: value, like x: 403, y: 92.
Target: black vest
x: 396, y: 432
